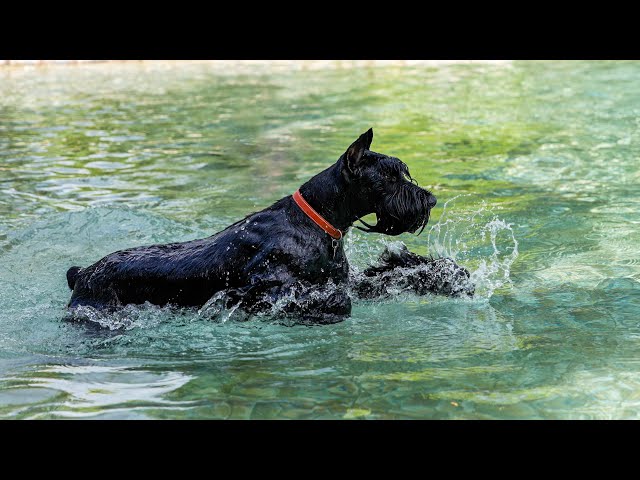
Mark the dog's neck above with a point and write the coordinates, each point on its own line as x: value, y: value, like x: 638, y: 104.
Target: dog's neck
x: 328, y: 194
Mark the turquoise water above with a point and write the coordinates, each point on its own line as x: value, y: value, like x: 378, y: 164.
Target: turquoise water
x: 535, y: 166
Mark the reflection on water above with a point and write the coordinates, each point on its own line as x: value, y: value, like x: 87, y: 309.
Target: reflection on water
x: 534, y: 166
x: 88, y: 391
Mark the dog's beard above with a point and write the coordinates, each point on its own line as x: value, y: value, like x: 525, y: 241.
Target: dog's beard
x: 405, y: 210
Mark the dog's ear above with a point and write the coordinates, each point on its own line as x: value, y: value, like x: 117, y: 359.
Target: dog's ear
x: 354, y: 153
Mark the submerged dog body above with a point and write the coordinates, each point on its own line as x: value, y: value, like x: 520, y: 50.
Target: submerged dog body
x: 279, y: 252
x: 267, y: 250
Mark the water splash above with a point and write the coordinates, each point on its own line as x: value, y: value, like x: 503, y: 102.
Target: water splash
x: 215, y: 307
x: 128, y: 317
x: 480, y: 241
x: 493, y: 273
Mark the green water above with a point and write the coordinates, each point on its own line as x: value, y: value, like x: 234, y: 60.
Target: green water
x: 537, y: 163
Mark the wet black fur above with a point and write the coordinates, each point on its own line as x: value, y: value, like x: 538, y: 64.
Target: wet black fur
x: 273, y: 254
x: 402, y: 270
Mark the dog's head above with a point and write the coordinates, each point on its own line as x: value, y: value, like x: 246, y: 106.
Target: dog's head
x: 383, y: 185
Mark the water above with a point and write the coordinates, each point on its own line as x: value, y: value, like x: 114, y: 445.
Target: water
x: 536, y: 162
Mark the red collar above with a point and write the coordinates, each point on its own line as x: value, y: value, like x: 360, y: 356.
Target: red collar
x: 316, y: 217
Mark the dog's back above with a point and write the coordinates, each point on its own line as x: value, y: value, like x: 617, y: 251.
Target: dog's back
x: 189, y: 273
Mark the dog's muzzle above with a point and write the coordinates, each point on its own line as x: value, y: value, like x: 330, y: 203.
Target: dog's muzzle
x: 405, y: 210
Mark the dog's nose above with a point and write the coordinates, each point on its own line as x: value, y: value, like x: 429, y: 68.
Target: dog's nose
x: 432, y: 201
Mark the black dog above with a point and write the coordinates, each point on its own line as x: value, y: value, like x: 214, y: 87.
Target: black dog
x: 402, y: 270
x: 291, y: 252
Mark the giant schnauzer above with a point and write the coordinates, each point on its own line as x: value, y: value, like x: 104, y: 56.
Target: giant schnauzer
x: 291, y: 252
